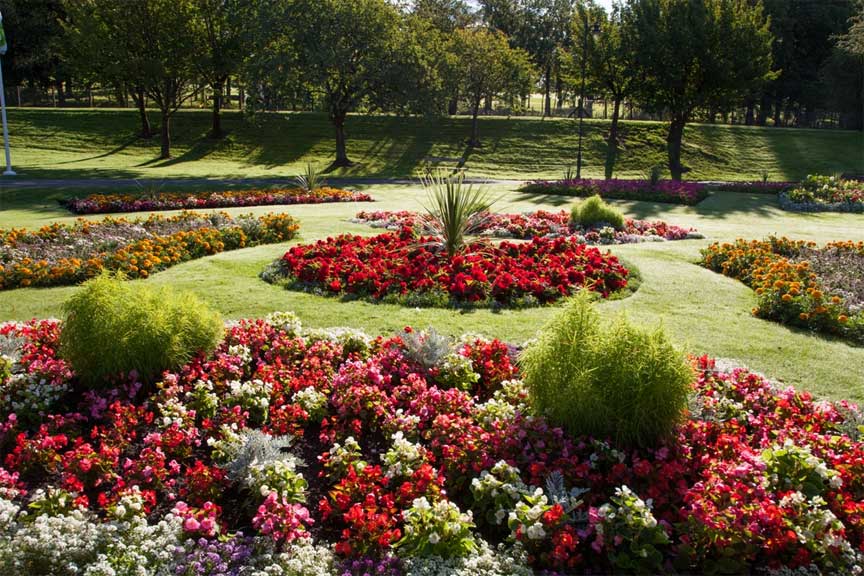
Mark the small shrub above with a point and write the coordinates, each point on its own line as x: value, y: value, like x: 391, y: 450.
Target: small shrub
x: 595, y: 213
x: 311, y: 179
x: 112, y: 328
x: 455, y: 209
x: 655, y: 174
x: 606, y: 381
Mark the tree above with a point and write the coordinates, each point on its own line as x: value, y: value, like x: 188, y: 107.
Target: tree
x: 167, y: 35
x: 844, y: 74
x: 152, y: 45
x: 610, y: 61
x: 693, y: 54
x: 487, y: 68
x: 223, y: 24
x: 34, y: 32
x: 445, y: 15
x: 540, y: 27
x: 350, y: 53
x: 97, y: 45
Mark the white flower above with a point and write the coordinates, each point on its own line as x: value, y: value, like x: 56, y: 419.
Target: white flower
x: 434, y: 538
x: 536, y: 532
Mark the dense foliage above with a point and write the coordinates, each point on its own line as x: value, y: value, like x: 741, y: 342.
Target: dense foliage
x: 113, y: 328
x: 798, y: 283
x: 540, y: 223
x: 662, y: 191
x: 412, y: 270
x: 107, y: 203
x: 613, y: 381
x: 63, y: 254
x: 401, y: 455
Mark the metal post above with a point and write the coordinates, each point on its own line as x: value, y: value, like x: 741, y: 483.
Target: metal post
x: 579, y: 109
x: 8, y: 171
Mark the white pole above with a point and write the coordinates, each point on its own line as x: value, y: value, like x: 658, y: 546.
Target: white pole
x: 8, y: 171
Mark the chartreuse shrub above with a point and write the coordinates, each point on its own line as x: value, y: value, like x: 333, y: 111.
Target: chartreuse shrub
x: 594, y: 212
x: 615, y: 380
x: 112, y: 328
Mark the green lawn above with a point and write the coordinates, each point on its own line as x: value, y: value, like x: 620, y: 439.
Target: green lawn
x: 705, y: 312
x: 50, y: 143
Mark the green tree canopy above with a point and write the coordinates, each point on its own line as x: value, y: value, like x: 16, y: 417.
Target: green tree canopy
x: 487, y: 67
x: 697, y: 54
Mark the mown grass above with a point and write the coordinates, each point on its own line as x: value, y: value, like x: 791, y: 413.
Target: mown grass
x: 704, y: 312
x: 76, y: 143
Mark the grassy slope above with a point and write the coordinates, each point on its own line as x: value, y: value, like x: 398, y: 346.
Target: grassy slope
x: 83, y: 143
x: 705, y: 312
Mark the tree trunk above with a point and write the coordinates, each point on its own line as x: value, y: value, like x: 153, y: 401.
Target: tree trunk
x: 140, y: 99
x: 750, y: 117
x: 453, y: 106
x: 612, y: 146
x: 559, y: 91
x: 547, y: 87
x: 673, y: 145
x: 216, y: 129
x: 764, y: 110
x: 474, y: 141
x: 342, y: 160
x: 61, y: 95
x: 166, y: 135
x: 227, y: 102
x: 487, y: 107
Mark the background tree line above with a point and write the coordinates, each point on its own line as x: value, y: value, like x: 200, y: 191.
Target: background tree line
x: 772, y: 62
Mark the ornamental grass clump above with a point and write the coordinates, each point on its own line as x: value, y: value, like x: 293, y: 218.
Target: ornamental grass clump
x: 113, y: 328
x: 455, y: 209
x: 595, y: 213
x: 615, y: 381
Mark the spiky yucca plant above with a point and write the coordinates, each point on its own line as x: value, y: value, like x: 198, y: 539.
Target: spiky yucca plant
x: 455, y: 209
x: 311, y: 179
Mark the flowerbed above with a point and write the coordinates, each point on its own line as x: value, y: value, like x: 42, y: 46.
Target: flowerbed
x: 798, y: 283
x: 540, y: 223
x: 62, y: 254
x: 825, y: 194
x: 409, y: 269
x: 105, y: 203
x: 668, y: 191
x: 329, y: 452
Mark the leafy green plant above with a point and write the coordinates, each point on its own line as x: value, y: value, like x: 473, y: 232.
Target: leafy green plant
x: 569, y: 174
x: 613, y: 381
x: 455, y: 209
x: 113, y: 328
x: 311, y: 179
x: 595, y: 213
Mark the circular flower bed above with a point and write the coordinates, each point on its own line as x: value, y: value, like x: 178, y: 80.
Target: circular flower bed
x: 540, y: 223
x: 408, y: 269
x: 337, y: 453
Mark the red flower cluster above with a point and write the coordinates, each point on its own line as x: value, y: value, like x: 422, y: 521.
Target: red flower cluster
x: 404, y: 267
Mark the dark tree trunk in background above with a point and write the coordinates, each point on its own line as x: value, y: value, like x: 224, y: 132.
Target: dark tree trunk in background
x: 69, y: 93
x: 559, y: 92
x: 764, y: 110
x: 487, y: 107
x: 61, y: 95
x: 216, y: 129
x: 140, y: 98
x: 673, y: 145
x: 226, y: 103
x: 750, y: 117
x: 475, y: 124
x: 453, y: 106
x: 612, y: 146
x: 166, y: 135
x: 547, y: 90
x: 342, y: 160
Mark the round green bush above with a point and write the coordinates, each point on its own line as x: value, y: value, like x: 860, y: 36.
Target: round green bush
x: 113, y: 328
x: 615, y: 381
x: 595, y: 212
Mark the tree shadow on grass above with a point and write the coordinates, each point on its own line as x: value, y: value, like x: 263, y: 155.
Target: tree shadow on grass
x: 111, y: 152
